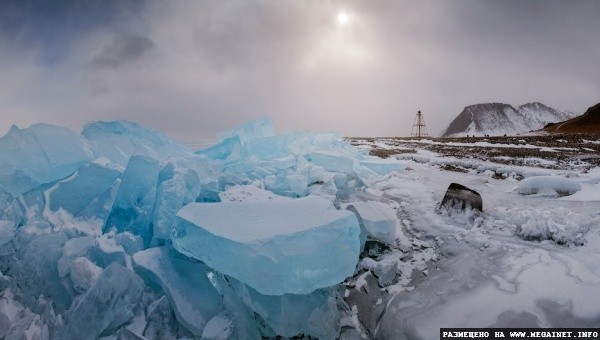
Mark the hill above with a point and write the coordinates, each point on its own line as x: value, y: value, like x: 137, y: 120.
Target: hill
x: 589, y: 122
x: 498, y: 119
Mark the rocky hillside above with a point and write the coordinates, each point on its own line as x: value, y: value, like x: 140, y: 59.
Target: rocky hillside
x: 498, y: 119
x: 589, y: 122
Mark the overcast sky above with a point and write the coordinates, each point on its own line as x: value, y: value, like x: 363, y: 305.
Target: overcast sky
x: 363, y: 68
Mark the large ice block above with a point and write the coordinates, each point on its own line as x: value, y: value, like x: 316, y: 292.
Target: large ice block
x: 7, y: 231
x: 276, y: 247
x: 332, y: 161
x: 132, y: 208
x: 383, y: 166
x: 261, y: 127
x: 108, y: 304
x: 39, y: 154
x: 99, y: 250
x: 192, y: 296
x: 292, y: 185
x: 119, y: 140
x: 229, y: 149
x: 377, y: 218
x: 271, y: 147
x: 88, y: 193
x: 315, y: 314
x: 35, y: 268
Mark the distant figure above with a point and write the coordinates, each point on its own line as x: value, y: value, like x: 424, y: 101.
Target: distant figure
x: 505, y: 135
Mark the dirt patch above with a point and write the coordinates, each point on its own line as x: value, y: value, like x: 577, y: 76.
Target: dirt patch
x: 386, y: 153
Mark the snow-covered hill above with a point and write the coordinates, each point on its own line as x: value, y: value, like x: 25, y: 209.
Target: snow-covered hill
x: 497, y: 119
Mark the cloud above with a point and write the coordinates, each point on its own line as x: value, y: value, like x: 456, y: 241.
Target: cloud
x: 192, y: 68
x: 123, y: 49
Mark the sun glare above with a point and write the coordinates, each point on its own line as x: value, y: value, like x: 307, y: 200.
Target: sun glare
x: 343, y: 18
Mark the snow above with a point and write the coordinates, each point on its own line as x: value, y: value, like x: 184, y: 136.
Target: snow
x: 244, y: 193
x: 552, y: 186
x: 276, y: 247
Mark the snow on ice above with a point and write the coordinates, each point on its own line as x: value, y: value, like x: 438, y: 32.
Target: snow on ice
x: 122, y: 232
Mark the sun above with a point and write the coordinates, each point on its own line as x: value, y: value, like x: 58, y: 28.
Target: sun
x: 343, y: 18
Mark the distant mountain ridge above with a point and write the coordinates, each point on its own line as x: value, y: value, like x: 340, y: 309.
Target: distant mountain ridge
x: 496, y: 119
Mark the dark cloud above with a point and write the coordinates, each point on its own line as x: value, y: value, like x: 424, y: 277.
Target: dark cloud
x: 192, y: 68
x: 55, y: 27
x: 123, y: 49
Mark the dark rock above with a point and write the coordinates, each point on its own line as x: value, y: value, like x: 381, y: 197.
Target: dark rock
x: 460, y: 195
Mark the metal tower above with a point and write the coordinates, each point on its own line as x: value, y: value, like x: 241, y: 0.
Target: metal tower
x: 419, y: 129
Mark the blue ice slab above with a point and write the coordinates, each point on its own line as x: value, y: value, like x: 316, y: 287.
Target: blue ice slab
x: 108, y: 304
x: 89, y: 192
x: 193, y: 298
x: 383, y: 166
x: 332, y: 161
x: 292, y: 185
x: 228, y: 149
x: 119, y: 140
x: 258, y: 128
x: 39, y: 154
x: 377, y: 218
x: 133, y: 205
x: 276, y: 247
x: 277, y: 146
x: 315, y: 314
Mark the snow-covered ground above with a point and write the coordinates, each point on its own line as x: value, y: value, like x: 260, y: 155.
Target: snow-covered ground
x: 527, y: 260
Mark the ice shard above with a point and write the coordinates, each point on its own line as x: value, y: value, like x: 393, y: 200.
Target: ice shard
x: 192, y: 296
x: 133, y: 205
x: 107, y: 305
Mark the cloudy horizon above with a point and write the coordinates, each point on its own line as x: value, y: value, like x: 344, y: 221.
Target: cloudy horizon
x: 193, y: 68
